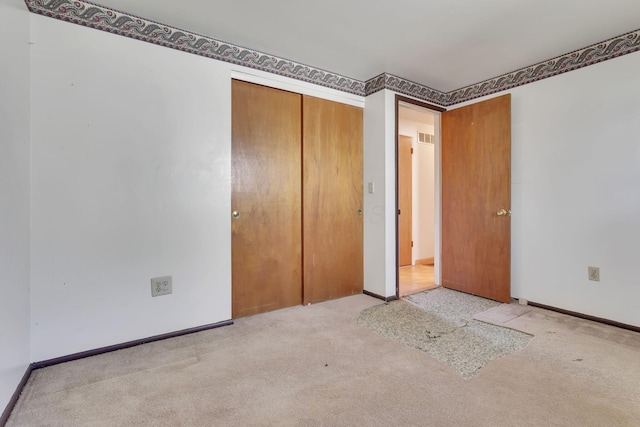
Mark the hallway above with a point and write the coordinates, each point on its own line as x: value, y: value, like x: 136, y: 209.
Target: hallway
x: 416, y: 278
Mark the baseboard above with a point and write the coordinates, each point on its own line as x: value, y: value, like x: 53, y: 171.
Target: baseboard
x: 14, y: 399
x: 385, y: 299
x: 108, y: 349
x: 586, y: 316
x: 425, y: 261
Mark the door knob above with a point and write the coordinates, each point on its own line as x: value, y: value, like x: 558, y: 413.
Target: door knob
x: 359, y: 211
x: 235, y: 214
x: 503, y: 212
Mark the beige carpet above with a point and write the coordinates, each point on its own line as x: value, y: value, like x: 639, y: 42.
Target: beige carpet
x: 315, y: 366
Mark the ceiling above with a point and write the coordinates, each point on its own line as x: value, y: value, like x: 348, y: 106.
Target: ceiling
x: 443, y: 44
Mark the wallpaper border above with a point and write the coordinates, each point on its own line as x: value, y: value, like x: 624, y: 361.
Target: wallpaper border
x: 590, y: 55
x: 92, y: 15
x: 102, y: 18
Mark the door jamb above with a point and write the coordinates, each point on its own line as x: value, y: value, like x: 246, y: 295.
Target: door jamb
x: 398, y: 99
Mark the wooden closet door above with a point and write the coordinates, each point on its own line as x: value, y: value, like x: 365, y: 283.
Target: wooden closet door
x: 332, y: 200
x: 266, y: 201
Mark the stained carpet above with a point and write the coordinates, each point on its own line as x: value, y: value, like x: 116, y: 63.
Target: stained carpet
x: 441, y: 323
x: 314, y: 366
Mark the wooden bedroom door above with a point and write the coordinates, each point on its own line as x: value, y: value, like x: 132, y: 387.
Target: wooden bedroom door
x: 476, y: 199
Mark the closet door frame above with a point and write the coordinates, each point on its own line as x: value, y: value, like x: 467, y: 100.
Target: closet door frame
x: 302, y: 89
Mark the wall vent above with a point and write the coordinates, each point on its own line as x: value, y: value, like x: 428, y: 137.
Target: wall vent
x: 425, y: 138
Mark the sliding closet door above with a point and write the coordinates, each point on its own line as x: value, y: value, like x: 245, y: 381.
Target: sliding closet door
x: 266, y: 199
x: 332, y: 200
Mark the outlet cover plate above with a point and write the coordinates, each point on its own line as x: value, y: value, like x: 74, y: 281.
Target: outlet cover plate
x: 161, y: 286
x: 594, y: 273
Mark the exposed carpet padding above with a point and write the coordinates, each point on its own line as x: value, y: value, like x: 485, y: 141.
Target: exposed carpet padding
x: 440, y: 323
x: 315, y: 366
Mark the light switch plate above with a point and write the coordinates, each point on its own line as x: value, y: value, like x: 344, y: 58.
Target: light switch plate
x: 161, y: 286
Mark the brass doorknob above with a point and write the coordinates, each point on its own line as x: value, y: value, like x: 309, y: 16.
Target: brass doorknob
x: 235, y: 214
x: 502, y: 212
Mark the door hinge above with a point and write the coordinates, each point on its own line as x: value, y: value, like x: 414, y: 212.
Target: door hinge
x: 412, y: 243
x: 412, y: 150
x: 398, y: 211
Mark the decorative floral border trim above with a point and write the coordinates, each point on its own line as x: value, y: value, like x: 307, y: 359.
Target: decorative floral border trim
x: 375, y: 84
x: 599, y: 52
x: 405, y: 87
x: 102, y: 18
x: 91, y: 15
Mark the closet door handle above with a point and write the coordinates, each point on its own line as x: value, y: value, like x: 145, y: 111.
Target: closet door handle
x: 359, y: 211
x: 235, y: 214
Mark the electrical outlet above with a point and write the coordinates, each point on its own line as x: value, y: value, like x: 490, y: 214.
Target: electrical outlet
x: 161, y: 286
x: 594, y: 273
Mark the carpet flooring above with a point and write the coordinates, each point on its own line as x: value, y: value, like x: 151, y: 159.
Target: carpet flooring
x: 441, y: 323
x: 316, y: 366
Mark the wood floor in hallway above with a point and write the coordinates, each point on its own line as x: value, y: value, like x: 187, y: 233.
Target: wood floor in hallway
x: 416, y: 278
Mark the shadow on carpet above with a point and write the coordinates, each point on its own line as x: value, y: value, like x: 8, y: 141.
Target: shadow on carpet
x: 440, y: 322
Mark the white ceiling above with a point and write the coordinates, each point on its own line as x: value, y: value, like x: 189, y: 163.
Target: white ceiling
x: 443, y: 44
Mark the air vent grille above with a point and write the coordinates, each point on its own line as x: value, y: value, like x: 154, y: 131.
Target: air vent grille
x: 425, y: 138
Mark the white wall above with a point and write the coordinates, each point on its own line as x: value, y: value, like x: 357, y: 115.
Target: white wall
x: 379, y: 207
x: 130, y: 180
x: 423, y: 189
x: 575, y: 189
x: 14, y: 196
x: 131, y: 170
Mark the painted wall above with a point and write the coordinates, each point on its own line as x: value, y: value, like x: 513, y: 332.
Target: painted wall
x: 423, y: 189
x: 575, y: 186
x: 131, y: 170
x: 130, y: 180
x: 14, y: 196
x: 379, y: 207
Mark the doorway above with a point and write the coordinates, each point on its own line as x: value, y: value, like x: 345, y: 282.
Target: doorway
x: 472, y: 152
x: 417, y: 133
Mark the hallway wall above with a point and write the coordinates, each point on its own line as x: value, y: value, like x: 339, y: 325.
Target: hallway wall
x: 423, y: 185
